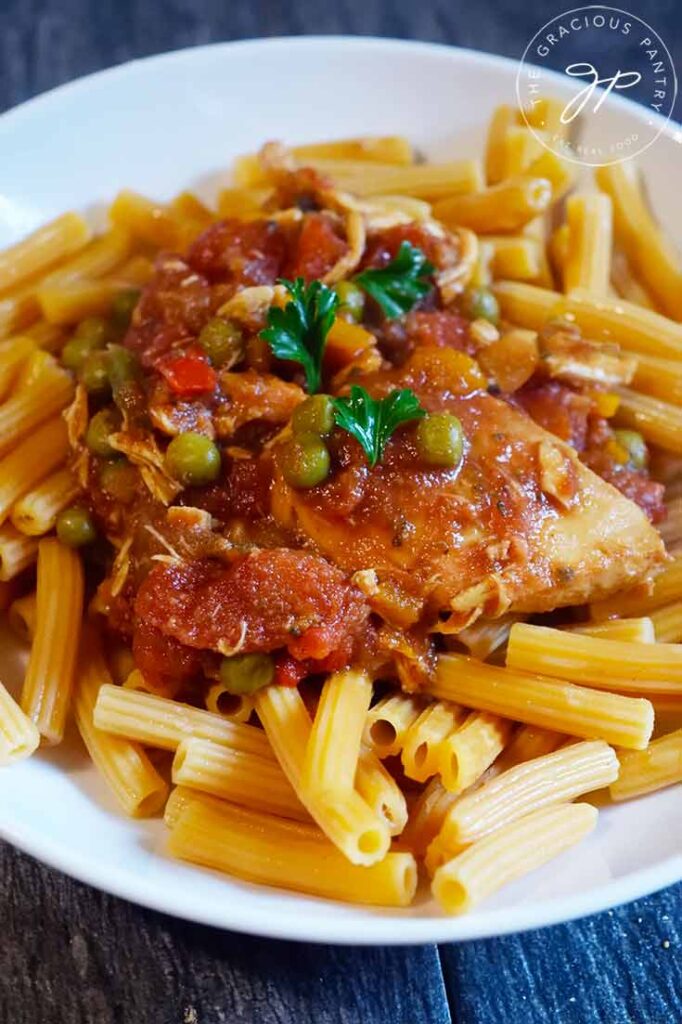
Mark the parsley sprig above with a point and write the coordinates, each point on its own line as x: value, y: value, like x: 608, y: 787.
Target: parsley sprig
x: 299, y: 331
x: 399, y: 285
x: 372, y: 421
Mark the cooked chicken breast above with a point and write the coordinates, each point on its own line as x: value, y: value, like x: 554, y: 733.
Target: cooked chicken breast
x: 521, y: 525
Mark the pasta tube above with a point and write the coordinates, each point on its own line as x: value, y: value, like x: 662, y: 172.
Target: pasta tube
x: 644, y: 771
x: 263, y: 849
x: 235, y: 706
x: 30, y: 462
x: 19, y: 736
x: 378, y: 788
x: 17, y: 552
x: 590, y: 239
x: 425, y: 737
x: 388, y: 722
x: 554, y: 778
x: 160, y: 722
x: 124, y: 766
x: 551, y: 703
x: 13, y: 354
x: 603, y: 663
x: 601, y: 319
x: 668, y: 623
x: 659, y: 378
x: 45, y: 397
x: 50, y: 243
x: 640, y: 630
x: 345, y: 817
x: 243, y: 778
x: 509, y: 854
x: 504, y: 207
x: 22, y: 616
x: 504, y: 117
x: 651, y: 254
x: 59, y: 608
x: 333, y: 748
x: 514, y: 257
x: 467, y: 752
x: 658, y: 421
x: 36, y: 512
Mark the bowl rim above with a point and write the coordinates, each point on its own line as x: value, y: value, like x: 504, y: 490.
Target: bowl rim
x: 372, y: 930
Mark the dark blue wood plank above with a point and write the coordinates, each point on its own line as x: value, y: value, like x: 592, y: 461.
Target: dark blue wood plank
x: 72, y: 955
x: 621, y: 967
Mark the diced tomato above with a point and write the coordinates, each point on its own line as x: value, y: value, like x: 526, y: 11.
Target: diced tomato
x: 189, y: 373
x: 289, y: 671
x: 240, y: 253
x: 316, y: 250
x: 440, y: 328
x: 383, y: 246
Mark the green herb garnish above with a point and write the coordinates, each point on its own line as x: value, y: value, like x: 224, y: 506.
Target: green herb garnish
x: 398, y: 286
x: 371, y: 422
x: 299, y: 331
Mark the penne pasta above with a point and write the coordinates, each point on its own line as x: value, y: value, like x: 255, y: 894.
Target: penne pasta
x: 504, y: 207
x: 626, y: 284
x: 124, y: 766
x: 49, y: 679
x: 147, y: 221
x: 235, y: 706
x: 160, y: 722
x: 344, y: 817
x: 333, y: 748
x: 17, y: 552
x: 644, y: 771
x: 31, y: 406
x: 510, y: 853
x: 425, y: 737
x: 659, y: 378
x: 486, y: 636
x: 13, y: 355
x: 668, y: 623
x: 550, y: 703
x: 590, y: 240
x: 466, y: 754
x: 504, y: 118
x: 604, y: 319
x: 22, y: 616
x: 657, y: 421
x: 528, y: 742
x: 19, y: 737
x: 553, y: 778
x: 71, y: 301
x: 666, y: 588
x: 30, y: 462
x: 388, y: 721
x: 520, y: 148
x: 640, y: 631
x: 514, y: 257
x: 603, y: 663
x: 381, y: 792
x: 45, y: 247
x: 36, y: 512
x: 101, y: 256
x: 263, y: 849
x: 655, y: 260
x: 238, y: 776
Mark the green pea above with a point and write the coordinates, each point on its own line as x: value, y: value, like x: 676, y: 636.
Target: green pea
x: 315, y: 415
x: 119, y: 479
x: 222, y: 341
x: 94, y: 374
x: 635, y: 445
x: 96, y: 331
x: 440, y: 440
x: 304, y: 461
x: 122, y: 307
x: 75, y: 527
x: 102, y: 424
x: 351, y: 300
x: 480, y: 303
x: 75, y: 352
x: 122, y: 366
x: 193, y: 459
x: 246, y: 673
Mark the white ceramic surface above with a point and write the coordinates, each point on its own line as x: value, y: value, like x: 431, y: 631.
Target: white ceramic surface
x: 159, y: 125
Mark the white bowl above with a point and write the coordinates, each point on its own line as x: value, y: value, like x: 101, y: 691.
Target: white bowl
x: 162, y: 124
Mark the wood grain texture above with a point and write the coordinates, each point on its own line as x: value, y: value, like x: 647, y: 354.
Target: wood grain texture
x: 72, y: 955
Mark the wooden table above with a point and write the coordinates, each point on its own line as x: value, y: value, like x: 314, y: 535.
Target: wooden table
x: 71, y: 955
